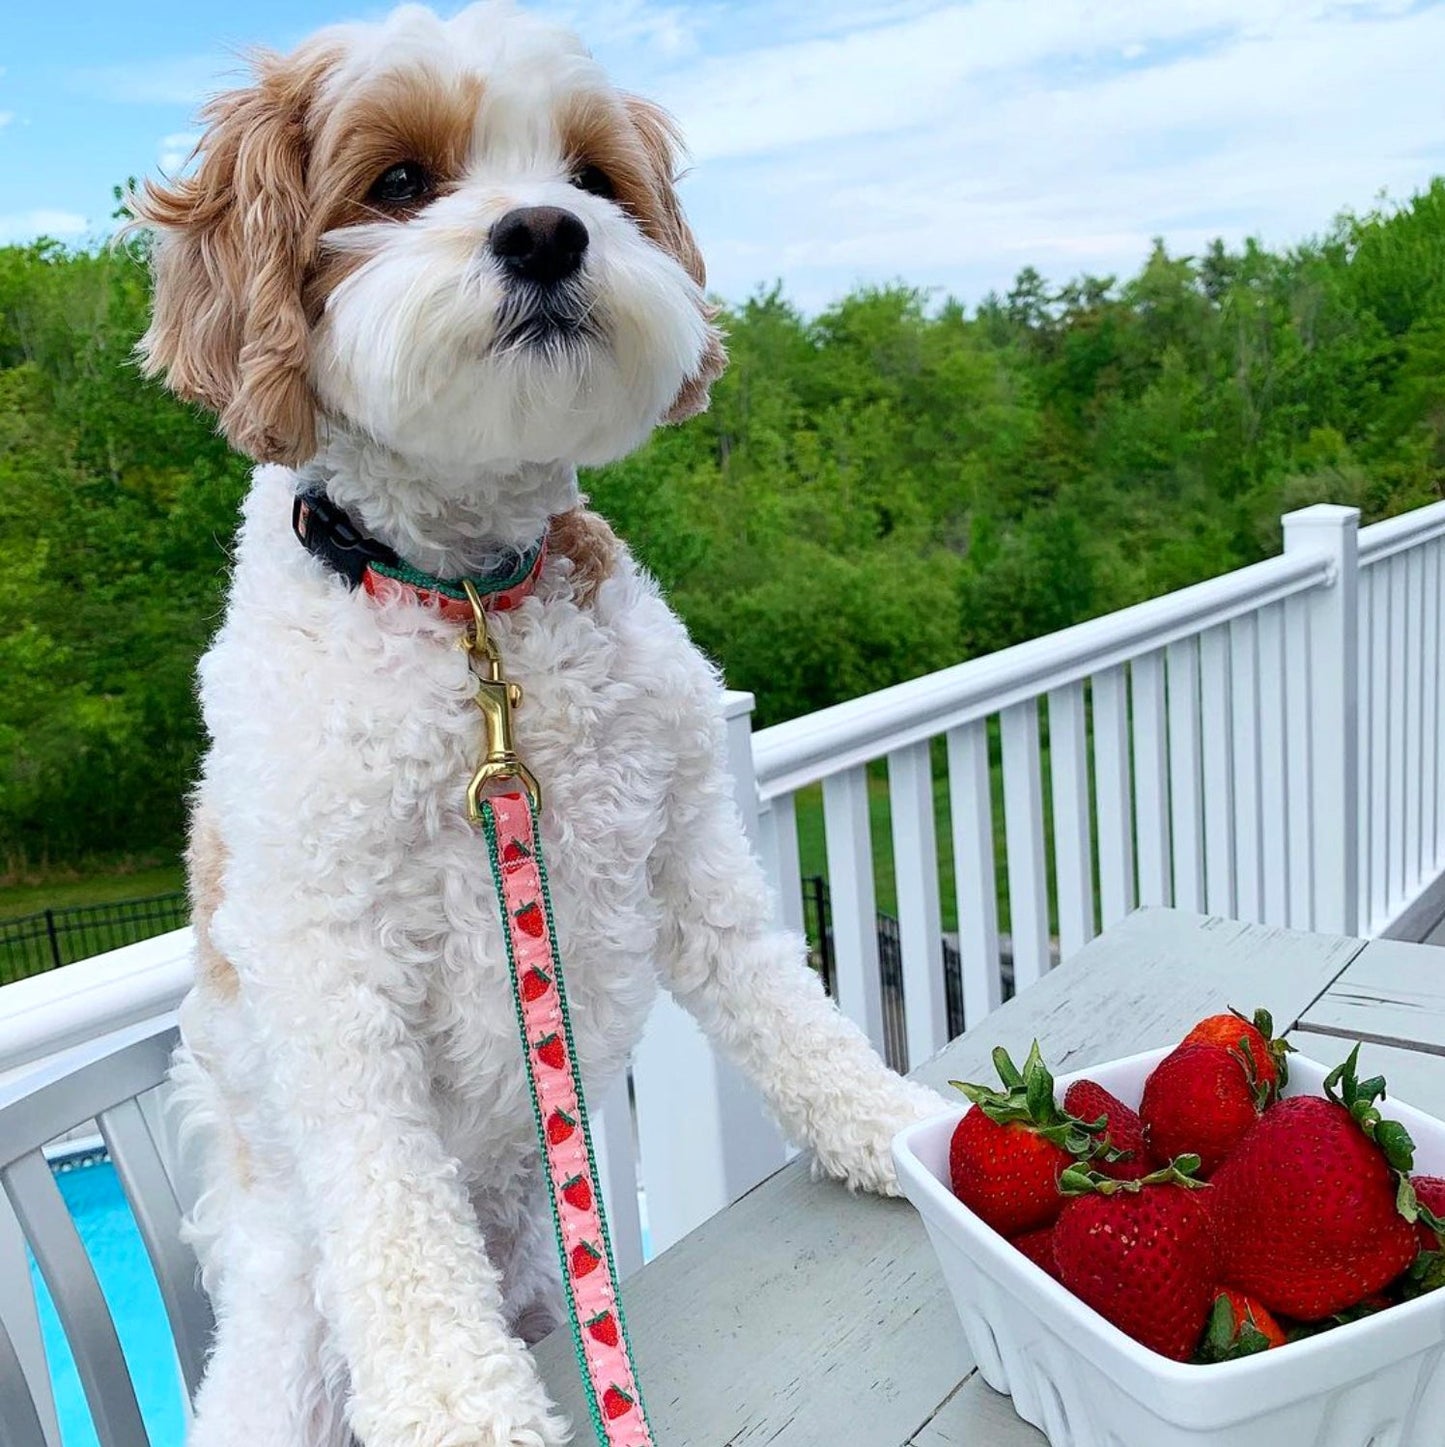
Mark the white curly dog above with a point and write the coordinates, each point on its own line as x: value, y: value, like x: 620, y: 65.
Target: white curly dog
x: 423, y: 270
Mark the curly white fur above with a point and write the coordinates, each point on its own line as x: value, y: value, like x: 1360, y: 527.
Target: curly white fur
x: 373, y: 1229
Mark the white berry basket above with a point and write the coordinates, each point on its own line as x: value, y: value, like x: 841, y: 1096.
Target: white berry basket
x: 1374, y: 1383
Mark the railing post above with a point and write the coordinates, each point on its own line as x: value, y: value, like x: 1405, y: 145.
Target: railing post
x: 738, y: 710
x: 54, y: 939
x: 704, y: 1135
x: 23, y: 1320
x: 1333, y: 727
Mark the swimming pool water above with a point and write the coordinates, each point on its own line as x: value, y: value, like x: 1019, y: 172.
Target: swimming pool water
x: 92, y: 1192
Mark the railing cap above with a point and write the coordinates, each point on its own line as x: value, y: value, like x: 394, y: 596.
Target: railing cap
x: 1322, y: 515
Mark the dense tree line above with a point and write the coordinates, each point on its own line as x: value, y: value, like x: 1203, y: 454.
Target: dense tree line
x: 881, y: 490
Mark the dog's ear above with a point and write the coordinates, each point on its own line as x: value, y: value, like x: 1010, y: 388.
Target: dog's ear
x: 228, y: 327
x: 668, y: 227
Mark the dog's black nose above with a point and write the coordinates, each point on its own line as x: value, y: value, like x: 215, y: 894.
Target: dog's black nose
x: 543, y: 244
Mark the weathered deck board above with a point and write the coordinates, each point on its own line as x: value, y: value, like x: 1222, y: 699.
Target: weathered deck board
x: 806, y: 1317
x: 1412, y: 1076
x: 1147, y: 979
x: 978, y: 1416
x: 1392, y: 993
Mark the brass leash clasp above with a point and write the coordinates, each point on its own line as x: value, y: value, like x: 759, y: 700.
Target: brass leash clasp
x: 496, y: 698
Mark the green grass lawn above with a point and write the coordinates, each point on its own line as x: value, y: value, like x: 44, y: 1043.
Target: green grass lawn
x: 813, y: 854
x: 98, y: 889
x: 27, y: 946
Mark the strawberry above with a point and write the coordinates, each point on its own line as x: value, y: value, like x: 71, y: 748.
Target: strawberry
x: 530, y: 919
x: 1007, y: 1153
x: 1141, y: 1253
x: 1427, y: 1271
x: 1430, y: 1193
x: 615, y: 1403
x: 1375, y: 1302
x: 1239, y: 1326
x: 585, y: 1259
x: 516, y: 853
x: 1266, y: 1059
x: 1122, y: 1132
x: 1038, y: 1246
x: 560, y: 1126
x: 535, y: 983
x: 603, y: 1327
x: 1313, y: 1209
x: 1198, y: 1101
x: 551, y: 1051
x: 578, y: 1192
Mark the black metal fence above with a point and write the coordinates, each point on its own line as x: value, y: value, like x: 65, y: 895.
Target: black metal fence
x: 818, y: 924
x: 34, y: 943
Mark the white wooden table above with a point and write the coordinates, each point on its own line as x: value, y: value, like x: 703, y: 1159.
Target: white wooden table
x: 806, y: 1317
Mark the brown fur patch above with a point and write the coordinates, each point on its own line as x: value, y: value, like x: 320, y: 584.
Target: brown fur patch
x: 241, y: 271
x: 633, y: 143
x: 587, y: 539
x: 660, y: 141
x: 228, y: 329
x: 411, y: 115
x: 695, y: 393
x: 205, y: 866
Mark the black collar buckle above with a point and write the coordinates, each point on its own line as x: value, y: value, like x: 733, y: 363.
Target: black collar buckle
x: 326, y: 532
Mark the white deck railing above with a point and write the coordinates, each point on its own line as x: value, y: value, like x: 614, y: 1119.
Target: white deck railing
x: 1264, y: 745
x: 1202, y: 752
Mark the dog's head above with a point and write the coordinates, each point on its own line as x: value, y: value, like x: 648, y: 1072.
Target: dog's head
x: 454, y: 238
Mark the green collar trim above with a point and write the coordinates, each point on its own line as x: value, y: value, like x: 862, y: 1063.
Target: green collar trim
x: 485, y: 584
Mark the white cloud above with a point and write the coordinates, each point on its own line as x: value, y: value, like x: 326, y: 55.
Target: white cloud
x: 5, y: 118
x: 27, y: 225
x: 175, y: 150
x: 954, y: 146
x: 664, y: 32
x: 912, y: 71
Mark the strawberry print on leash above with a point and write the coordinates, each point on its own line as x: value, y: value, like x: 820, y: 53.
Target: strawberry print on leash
x: 589, y: 1275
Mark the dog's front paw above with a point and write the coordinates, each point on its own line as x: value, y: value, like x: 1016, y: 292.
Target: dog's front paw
x: 460, y: 1428
x: 859, y: 1153
x: 546, y: 1431
x: 512, y: 1410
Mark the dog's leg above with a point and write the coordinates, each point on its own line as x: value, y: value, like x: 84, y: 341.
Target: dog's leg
x: 749, y: 986
x: 413, y: 1303
x: 266, y: 1383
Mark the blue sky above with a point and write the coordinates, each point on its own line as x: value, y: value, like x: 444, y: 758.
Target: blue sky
x: 859, y: 140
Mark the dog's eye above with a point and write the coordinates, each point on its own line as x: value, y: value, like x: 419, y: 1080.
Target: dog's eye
x: 401, y: 185
x: 595, y: 181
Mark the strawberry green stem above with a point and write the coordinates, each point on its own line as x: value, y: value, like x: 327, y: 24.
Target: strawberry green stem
x: 1345, y: 1088
x: 1077, y: 1180
x: 1028, y: 1099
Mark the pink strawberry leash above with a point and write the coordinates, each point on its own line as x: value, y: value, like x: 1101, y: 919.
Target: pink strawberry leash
x: 599, y: 1333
